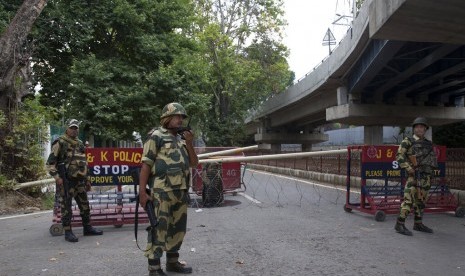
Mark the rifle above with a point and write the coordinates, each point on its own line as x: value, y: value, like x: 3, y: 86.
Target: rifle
x: 63, y: 175
x: 148, y: 208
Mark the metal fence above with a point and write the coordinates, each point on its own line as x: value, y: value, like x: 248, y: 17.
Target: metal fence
x: 337, y: 164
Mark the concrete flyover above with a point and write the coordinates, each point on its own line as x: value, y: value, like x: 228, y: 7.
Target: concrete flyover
x: 400, y: 59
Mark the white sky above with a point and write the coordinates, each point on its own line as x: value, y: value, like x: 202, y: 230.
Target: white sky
x: 308, y: 21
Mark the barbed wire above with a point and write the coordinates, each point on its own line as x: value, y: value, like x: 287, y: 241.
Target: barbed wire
x: 265, y: 190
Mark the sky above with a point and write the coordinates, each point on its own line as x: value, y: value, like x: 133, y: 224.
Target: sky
x: 308, y: 21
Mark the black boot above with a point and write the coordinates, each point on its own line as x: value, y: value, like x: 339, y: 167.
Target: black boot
x: 422, y: 228
x: 69, y: 236
x: 91, y: 231
x: 178, y: 268
x: 401, y: 229
x: 155, y: 268
x: 173, y: 265
x: 157, y: 272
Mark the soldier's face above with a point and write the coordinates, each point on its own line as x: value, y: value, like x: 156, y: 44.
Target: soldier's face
x: 176, y: 121
x: 419, y: 130
x: 72, y: 131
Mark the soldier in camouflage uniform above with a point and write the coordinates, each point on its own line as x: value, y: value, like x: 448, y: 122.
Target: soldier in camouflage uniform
x: 70, y: 151
x: 419, y: 150
x: 166, y: 159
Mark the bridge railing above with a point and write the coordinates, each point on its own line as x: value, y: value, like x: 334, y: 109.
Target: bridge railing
x: 337, y: 164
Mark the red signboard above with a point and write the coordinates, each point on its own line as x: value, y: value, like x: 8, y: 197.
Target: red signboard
x: 380, y: 162
x: 113, y: 166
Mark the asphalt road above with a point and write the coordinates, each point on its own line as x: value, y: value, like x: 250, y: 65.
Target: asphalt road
x: 279, y: 226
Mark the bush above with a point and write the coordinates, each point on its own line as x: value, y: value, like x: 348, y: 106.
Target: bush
x: 24, y: 133
x: 5, y: 184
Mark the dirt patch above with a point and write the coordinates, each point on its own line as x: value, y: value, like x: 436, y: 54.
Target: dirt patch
x: 16, y: 202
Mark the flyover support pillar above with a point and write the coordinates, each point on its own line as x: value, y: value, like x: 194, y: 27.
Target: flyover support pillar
x: 373, y: 135
x: 306, y: 147
x: 276, y: 148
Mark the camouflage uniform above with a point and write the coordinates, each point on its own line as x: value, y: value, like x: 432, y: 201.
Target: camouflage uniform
x: 71, y: 152
x: 416, y: 190
x: 68, y: 152
x: 168, y: 159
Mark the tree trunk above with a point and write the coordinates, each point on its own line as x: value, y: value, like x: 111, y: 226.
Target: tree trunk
x: 13, y: 57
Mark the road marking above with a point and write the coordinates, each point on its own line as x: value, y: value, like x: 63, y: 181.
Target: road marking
x: 24, y: 215
x: 249, y: 197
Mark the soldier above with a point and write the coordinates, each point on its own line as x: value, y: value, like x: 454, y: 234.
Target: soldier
x: 417, y: 157
x: 167, y: 156
x: 70, y: 151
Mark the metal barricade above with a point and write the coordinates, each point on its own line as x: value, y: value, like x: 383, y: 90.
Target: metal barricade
x: 112, y: 202
x: 382, y: 183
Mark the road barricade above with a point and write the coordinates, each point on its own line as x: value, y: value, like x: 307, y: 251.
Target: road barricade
x: 382, y: 182
x: 112, y: 201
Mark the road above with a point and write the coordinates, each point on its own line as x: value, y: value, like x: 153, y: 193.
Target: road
x: 279, y: 226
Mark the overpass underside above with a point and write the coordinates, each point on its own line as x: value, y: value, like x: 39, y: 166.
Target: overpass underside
x: 401, y: 59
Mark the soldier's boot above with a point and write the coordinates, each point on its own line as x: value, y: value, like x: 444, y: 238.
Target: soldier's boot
x: 157, y: 272
x: 91, y: 231
x: 418, y: 226
x: 173, y: 265
x: 155, y: 268
x: 401, y: 229
x: 69, y: 236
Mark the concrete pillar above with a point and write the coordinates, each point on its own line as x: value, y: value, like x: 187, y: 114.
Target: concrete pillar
x: 276, y: 148
x: 342, y: 97
x: 429, y: 134
x: 306, y: 147
x: 373, y: 135
x: 459, y: 102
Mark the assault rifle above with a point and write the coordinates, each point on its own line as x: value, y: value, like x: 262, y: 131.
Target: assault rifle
x: 148, y: 208
x: 63, y: 175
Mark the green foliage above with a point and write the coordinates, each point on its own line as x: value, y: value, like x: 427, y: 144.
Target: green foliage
x: 8, y: 10
x: 3, y: 120
x: 102, y: 61
x: 115, y: 64
x: 22, y: 146
x: 48, y: 200
x: 452, y: 135
x: 239, y: 62
x: 6, y: 184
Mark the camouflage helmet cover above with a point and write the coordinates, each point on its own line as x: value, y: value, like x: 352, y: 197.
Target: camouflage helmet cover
x: 72, y: 122
x: 420, y: 121
x: 173, y: 109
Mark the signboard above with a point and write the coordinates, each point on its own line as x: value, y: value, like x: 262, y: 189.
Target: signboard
x: 113, y: 166
x: 379, y: 162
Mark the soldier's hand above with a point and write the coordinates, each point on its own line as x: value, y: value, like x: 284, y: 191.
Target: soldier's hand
x: 143, y: 198
x: 188, y: 136
x: 59, y: 181
x: 88, y: 186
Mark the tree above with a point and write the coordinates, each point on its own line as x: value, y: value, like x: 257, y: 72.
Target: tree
x: 20, y: 125
x: 243, y: 61
x: 15, y: 55
x: 103, y: 61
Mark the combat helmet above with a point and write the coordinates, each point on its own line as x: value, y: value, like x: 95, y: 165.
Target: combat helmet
x: 73, y: 122
x: 173, y: 109
x: 420, y: 121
